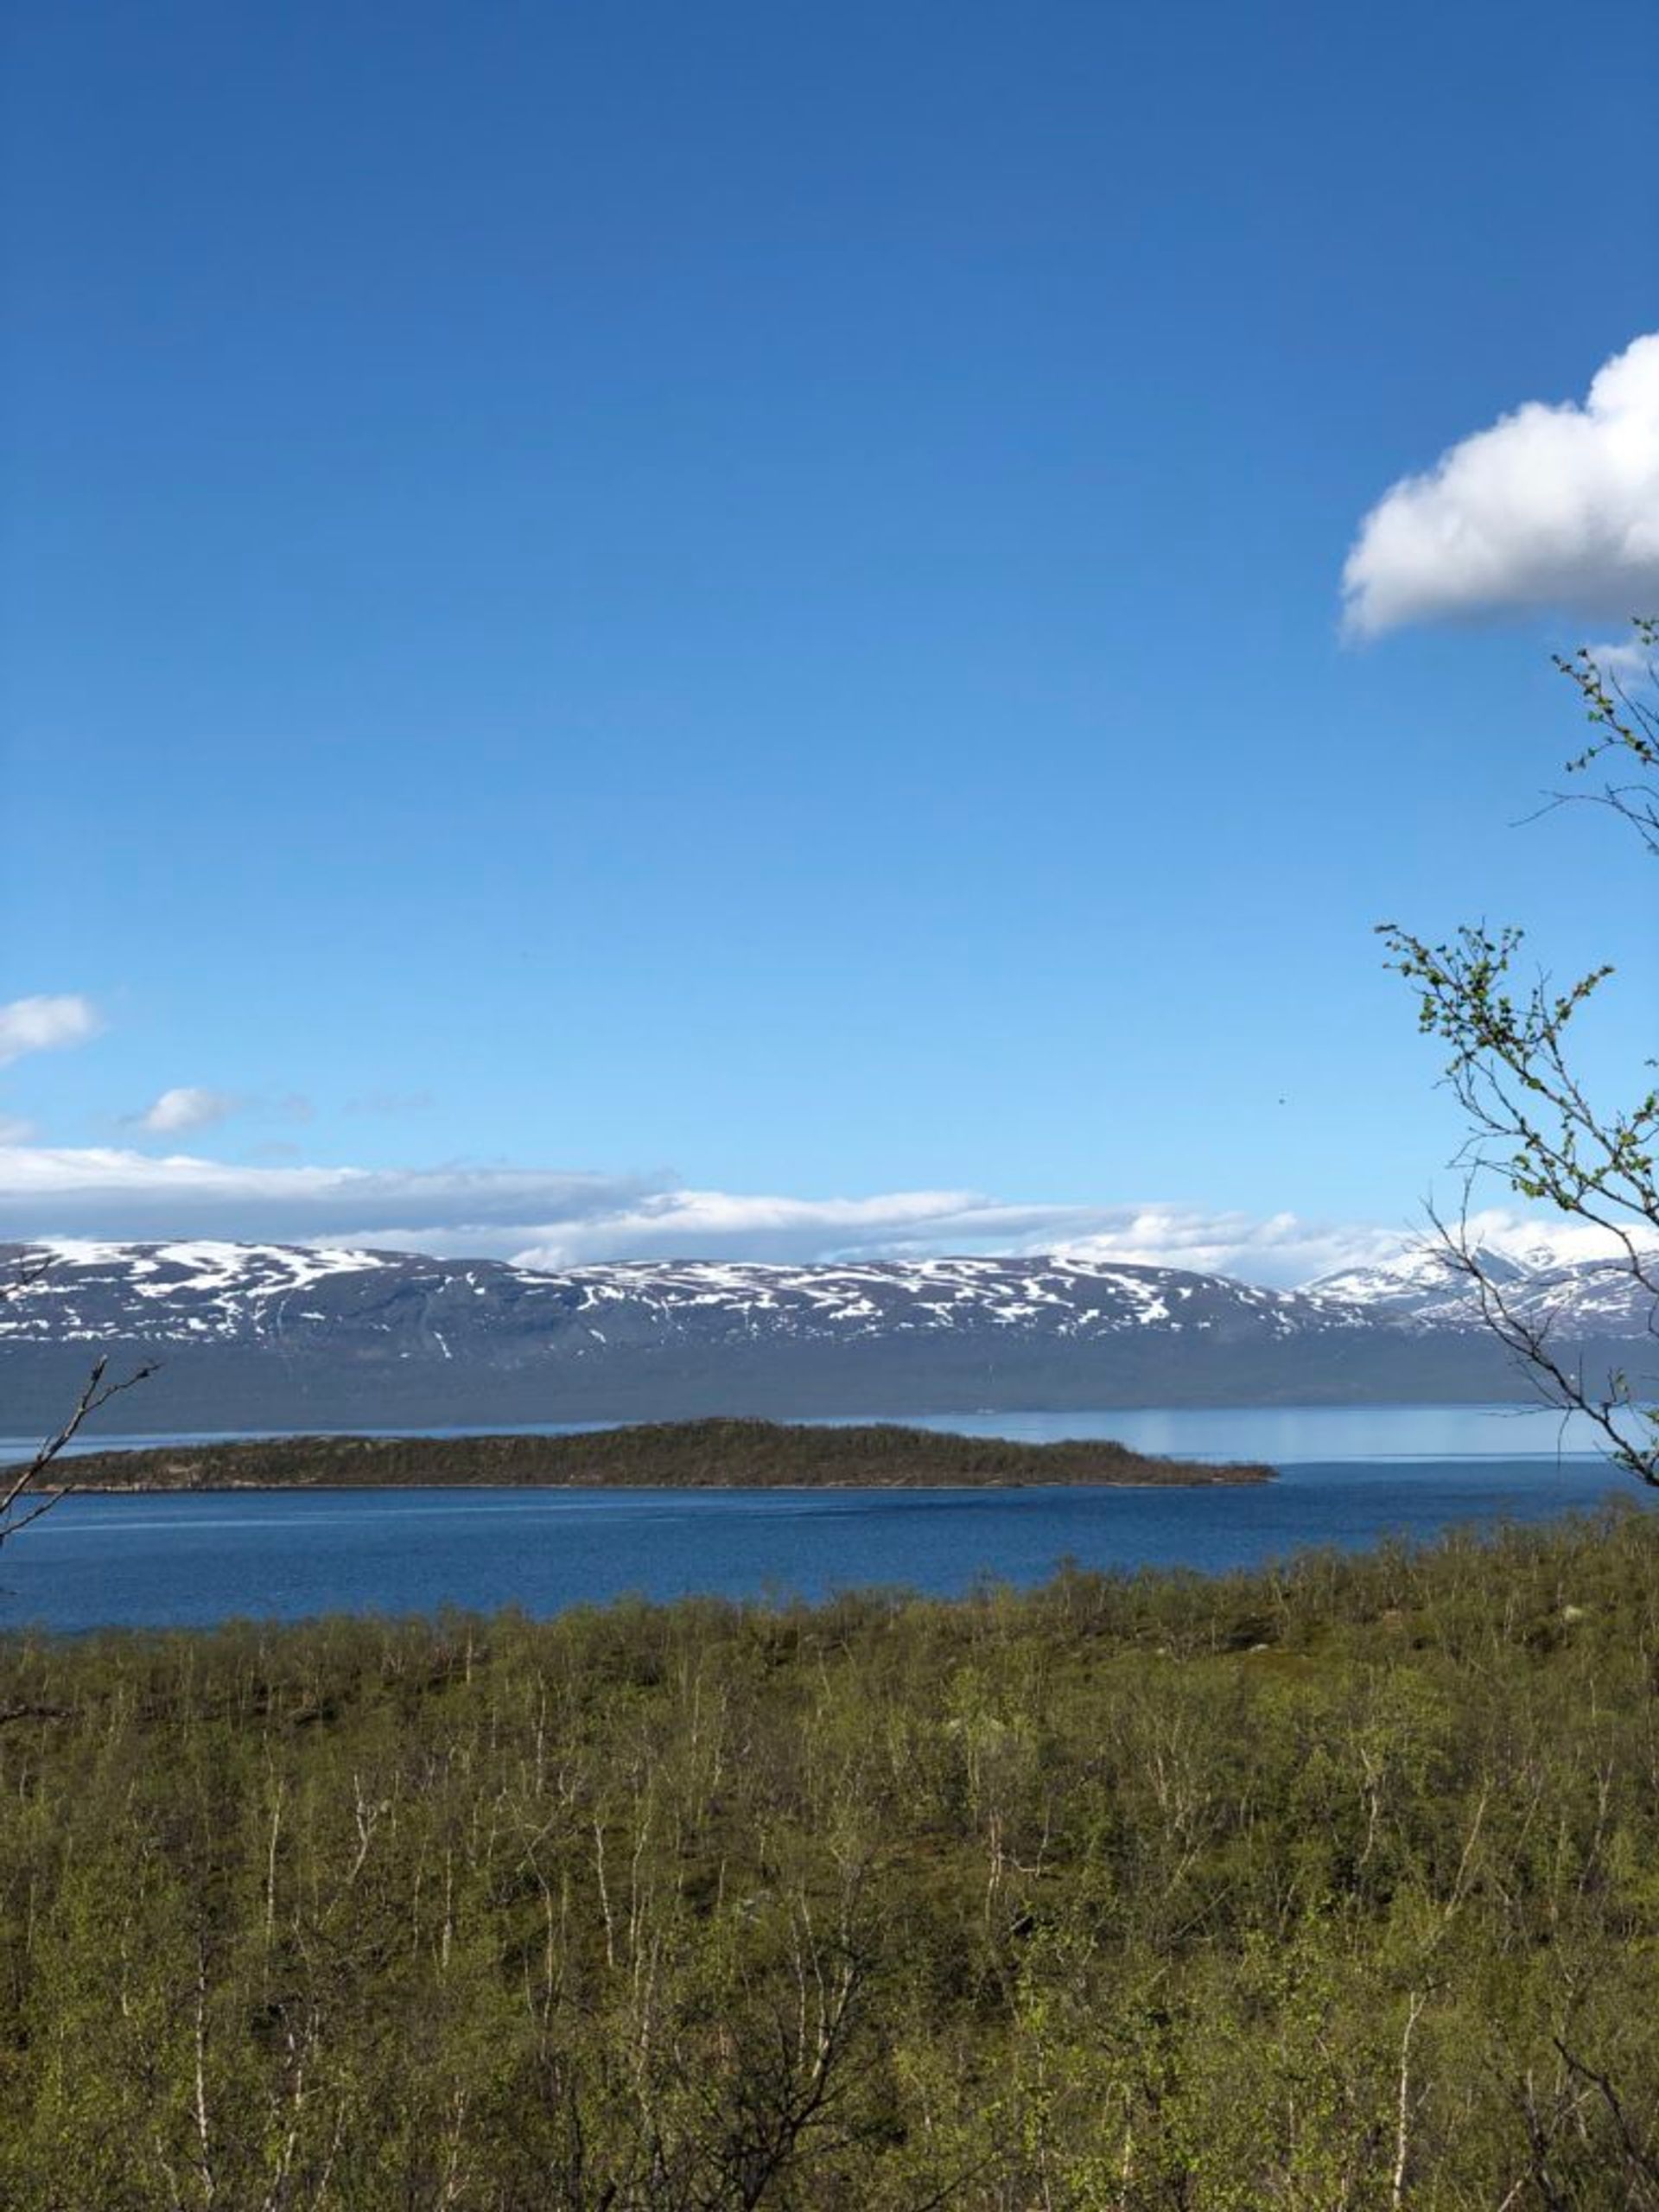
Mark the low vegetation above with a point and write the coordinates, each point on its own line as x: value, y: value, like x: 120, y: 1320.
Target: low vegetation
x: 689, y: 1454
x: 1336, y: 1885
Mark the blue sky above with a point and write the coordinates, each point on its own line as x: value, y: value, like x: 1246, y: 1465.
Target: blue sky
x: 650, y: 629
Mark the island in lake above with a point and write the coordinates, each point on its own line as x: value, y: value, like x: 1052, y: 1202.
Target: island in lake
x: 667, y: 1455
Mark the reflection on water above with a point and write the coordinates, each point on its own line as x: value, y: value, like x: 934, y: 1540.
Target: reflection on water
x: 1281, y: 1434
x: 1275, y: 1433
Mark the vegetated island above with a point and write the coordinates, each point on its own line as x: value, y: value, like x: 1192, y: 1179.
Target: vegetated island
x: 668, y: 1455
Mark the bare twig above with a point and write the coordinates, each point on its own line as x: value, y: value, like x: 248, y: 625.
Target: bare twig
x: 22, y: 1498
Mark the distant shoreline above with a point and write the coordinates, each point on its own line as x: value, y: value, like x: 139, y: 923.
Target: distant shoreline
x: 713, y: 1454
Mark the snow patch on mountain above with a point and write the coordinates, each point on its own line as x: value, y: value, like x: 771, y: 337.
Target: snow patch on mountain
x: 72, y: 1290
x: 298, y: 1300
x: 1575, y: 1283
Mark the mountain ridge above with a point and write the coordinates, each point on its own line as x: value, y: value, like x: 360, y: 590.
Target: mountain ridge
x: 265, y: 1334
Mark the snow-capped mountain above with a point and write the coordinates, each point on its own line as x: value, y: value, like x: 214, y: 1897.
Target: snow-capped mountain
x: 285, y: 1295
x: 278, y: 1336
x: 1577, y: 1299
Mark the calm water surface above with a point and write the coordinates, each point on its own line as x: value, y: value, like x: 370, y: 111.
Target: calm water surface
x: 1349, y: 1477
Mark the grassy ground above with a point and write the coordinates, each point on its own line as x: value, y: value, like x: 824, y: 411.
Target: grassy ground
x: 1336, y: 1885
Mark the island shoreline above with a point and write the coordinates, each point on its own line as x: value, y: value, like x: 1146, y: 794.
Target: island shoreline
x: 710, y: 1454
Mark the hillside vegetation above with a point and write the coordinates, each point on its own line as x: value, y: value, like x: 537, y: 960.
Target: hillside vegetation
x: 1336, y: 1885
x: 692, y: 1454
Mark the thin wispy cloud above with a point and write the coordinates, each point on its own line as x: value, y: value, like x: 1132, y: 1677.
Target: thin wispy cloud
x: 921, y: 1224
x: 118, y: 1193
x: 1553, y: 509
x: 188, y: 1107
x: 554, y: 1219
x: 46, y: 1024
x: 1629, y: 662
x: 1520, y: 1236
x: 391, y: 1105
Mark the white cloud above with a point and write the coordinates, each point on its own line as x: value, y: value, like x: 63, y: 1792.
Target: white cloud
x: 720, y: 1224
x: 15, y: 1132
x: 558, y: 1219
x: 1627, y: 662
x: 1516, y: 1237
x: 916, y: 1224
x: 45, y: 1025
x: 187, y: 1107
x: 1283, y: 1248
x: 113, y: 1192
x: 1552, y: 509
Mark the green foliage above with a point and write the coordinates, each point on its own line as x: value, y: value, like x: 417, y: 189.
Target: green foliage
x: 689, y: 1454
x: 1532, y: 1121
x: 1328, y: 1885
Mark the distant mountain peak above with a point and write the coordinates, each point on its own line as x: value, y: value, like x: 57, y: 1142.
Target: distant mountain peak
x: 1427, y: 1284
x: 285, y: 1335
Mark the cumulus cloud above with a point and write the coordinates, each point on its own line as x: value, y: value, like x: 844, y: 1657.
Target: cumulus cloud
x: 45, y: 1025
x: 1552, y: 509
x: 188, y: 1107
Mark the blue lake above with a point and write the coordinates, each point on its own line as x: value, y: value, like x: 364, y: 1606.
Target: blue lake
x: 1349, y: 1477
